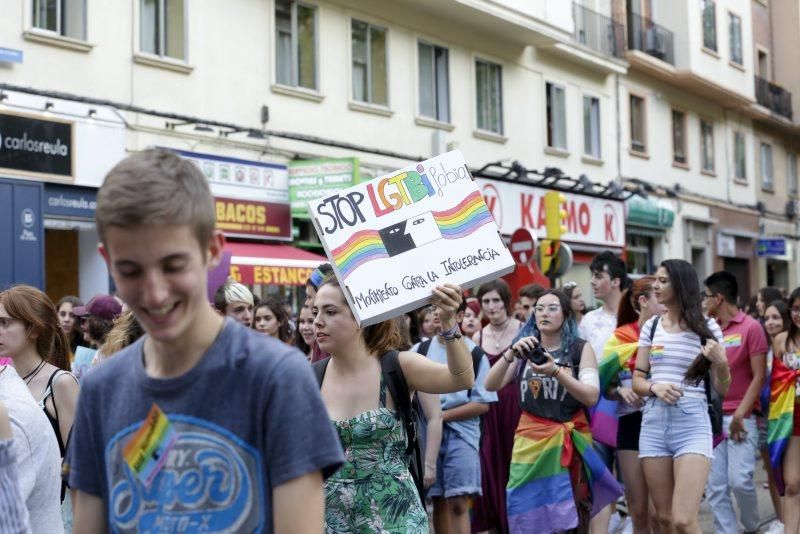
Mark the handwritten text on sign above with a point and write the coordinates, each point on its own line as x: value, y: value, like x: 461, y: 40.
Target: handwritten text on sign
x: 429, y: 215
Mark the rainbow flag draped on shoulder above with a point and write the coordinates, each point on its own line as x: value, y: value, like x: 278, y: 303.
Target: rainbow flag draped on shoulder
x: 781, y: 416
x: 539, y: 495
x: 620, y: 349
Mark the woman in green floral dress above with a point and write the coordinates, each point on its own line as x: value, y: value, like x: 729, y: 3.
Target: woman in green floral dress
x: 373, y: 491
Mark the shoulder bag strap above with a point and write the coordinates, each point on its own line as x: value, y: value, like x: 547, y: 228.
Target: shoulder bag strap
x: 319, y: 370
x: 398, y: 388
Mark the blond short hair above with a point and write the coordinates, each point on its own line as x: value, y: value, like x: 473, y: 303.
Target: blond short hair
x: 156, y: 186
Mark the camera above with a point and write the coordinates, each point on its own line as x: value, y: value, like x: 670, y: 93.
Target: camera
x: 537, y: 356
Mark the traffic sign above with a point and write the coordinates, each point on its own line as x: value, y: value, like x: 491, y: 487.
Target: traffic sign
x: 523, y: 246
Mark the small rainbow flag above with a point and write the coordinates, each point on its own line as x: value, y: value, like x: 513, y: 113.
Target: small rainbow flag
x: 781, y: 416
x: 619, y: 353
x: 539, y: 494
x: 362, y: 247
x: 463, y: 219
x: 147, y: 450
x: 732, y: 340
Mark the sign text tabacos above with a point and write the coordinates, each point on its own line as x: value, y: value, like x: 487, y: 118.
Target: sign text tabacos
x: 590, y: 220
x: 257, y: 219
x: 394, y: 238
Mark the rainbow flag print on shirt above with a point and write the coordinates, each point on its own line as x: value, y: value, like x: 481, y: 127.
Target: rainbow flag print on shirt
x: 362, y: 247
x: 463, y: 219
x: 781, y: 416
x: 732, y: 340
x: 656, y: 352
x: 147, y: 450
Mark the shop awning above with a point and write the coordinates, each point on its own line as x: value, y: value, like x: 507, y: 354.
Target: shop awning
x: 259, y: 263
x: 648, y: 214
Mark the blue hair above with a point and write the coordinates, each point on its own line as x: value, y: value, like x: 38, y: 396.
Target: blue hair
x: 569, y: 328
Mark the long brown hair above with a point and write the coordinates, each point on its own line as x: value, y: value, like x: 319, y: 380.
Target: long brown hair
x: 629, y: 308
x: 378, y: 338
x: 39, y: 315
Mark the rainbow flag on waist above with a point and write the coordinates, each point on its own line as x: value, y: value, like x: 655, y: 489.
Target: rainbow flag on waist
x: 781, y: 416
x: 539, y: 495
x: 620, y: 349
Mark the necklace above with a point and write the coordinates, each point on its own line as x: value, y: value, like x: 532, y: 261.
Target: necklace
x: 502, y: 334
x: 30, y: 376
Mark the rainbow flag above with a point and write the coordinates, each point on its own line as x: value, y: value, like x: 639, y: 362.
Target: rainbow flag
x: 463, y: 219
x: 362, y: 247
x: 781, y: 416
x: 147, y: 450
x: 539, y: 495
x: 620, y: 348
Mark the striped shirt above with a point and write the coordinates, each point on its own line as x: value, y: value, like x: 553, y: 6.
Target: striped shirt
x: 672, y: 354
x: 13, y: 513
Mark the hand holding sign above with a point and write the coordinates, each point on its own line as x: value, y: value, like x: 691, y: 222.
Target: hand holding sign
x: 447, y: 299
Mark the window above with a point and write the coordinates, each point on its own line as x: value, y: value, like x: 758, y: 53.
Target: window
x: 591, y: 127
x: 163, y: 24
x: 296, y: 44
x: 64, y: 17
x: 489, y: 91
x: 766, y: 167
x: 434, y: 82
x: 556, y: 117
x: 369, y: 63
x: 735, y: 30
x: 791, y: 173
x: 679, y: 137
x: 638, y: 124
x: 706, y: 146
x: 739, y: 157
x: 763, y: 65
x: 709, y: 24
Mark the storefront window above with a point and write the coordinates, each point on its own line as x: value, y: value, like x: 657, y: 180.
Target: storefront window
x: 639, y: 254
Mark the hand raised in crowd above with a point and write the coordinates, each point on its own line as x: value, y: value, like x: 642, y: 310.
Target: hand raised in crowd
x: 630, y: 397
x: 447, y: 298
x: 714, y: 352
x: 669, y: 393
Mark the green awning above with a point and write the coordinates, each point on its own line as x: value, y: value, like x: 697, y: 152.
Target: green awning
x: 643, y: 212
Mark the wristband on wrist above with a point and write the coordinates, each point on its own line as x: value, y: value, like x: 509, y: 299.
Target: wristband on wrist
x: 650, y: 389
x: 556, y: 371
x: 512, y: 357
x: 451, y: 333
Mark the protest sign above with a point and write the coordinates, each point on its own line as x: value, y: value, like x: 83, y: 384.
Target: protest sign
x: 393, y: 239
x: 82, y: 361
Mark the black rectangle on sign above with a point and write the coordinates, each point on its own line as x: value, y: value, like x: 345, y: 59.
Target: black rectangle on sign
x: 34, y: 145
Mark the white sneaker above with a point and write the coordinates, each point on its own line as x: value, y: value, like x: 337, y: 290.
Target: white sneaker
x: 776, y: 527
x: 614, y: 522
x: 627, y: 526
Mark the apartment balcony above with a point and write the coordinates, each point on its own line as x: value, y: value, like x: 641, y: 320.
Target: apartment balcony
x: 597, y: 32
x: 648, y: 37
x: 773, y: 97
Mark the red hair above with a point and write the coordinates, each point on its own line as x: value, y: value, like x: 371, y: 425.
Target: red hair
x: 628, y: 311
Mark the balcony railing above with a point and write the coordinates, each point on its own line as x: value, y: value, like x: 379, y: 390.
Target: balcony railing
x: 650, y: 38
x: 597, y: 31
x: 774, y: 97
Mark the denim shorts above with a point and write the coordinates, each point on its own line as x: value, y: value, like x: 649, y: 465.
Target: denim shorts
x: 458, y: 468
x: 671, y: 430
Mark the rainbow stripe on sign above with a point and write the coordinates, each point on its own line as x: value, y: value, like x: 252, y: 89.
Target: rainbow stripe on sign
x: 463, y: 219
x: 147, y: 450
x: 362, y: 247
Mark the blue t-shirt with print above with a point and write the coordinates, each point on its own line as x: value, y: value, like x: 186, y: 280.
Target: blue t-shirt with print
x: 468, y: 429
x: 248, y: 418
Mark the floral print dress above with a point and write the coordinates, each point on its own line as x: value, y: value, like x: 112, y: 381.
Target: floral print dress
x: 373, y: 491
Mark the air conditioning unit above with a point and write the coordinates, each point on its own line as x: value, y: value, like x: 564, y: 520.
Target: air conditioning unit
x: 792, y: 208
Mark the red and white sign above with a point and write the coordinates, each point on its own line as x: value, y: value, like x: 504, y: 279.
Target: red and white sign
x: 590, y: 220
x: 522, y: 246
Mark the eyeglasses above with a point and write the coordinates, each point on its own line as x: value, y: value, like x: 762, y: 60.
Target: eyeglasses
x: 569, y: 285
x: 551, y: 308
x: 795, y: 311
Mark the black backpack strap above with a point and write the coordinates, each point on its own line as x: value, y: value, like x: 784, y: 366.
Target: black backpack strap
x: 319, y: 370
x: 398, y: 388
x: 424, y: 347
x: 653, y: 329
x: 477, y: 357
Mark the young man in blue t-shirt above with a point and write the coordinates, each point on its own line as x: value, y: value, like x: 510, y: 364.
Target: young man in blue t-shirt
x: 202, y: 424
x: 458, y: 467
